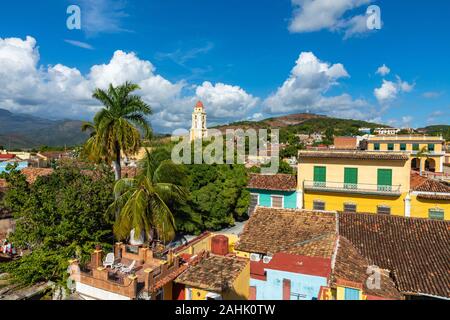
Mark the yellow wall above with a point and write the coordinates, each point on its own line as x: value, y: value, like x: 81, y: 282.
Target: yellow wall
x: 197, y: 294
x: 367, y: 170
x: 364, y: 203
x: 205, y: 244
x: 420, y: 207
x: 241, y: 286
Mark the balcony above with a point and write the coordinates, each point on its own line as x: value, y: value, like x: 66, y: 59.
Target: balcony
x: 360, y: 188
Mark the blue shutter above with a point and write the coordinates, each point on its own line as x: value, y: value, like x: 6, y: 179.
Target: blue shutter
x: 351, y: 294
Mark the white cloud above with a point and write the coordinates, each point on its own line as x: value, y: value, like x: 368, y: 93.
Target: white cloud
x: 225, y: 101
x: 389, y: 90
x: 431, y: 94
x: 64, y: 92
x: 79, y: 44
x: 383, y: 70
x: 102, y: 16
x: 316, y: 15
x: 305, y: 89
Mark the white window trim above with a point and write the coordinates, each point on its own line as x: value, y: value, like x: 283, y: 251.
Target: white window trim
x: 276, y: 195
x: 257, y: 197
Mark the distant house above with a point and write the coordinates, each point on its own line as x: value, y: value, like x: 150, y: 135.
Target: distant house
x: 273, y: 191
x: 346, y: 143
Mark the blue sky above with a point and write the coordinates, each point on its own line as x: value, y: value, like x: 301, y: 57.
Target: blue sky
x: 245, y: 59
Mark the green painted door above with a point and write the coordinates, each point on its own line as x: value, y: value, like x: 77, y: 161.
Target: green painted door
x: 320, y: 176
x: 351, y: 178
x: 384, y: 179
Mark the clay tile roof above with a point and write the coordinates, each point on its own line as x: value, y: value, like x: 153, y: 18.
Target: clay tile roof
x: 199, y: 104
x: 213, y: 272
x: 3, y: 184
x: 416, y: 251
x: 7, y: 156
x: 282, y: 182
x: 33, y: 173
x: 419, y: 183
x: 358, y: 155
x: 272, y: 230
x: 351, y: 268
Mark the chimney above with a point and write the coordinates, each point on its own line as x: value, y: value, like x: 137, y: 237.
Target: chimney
x: 219, y: 245
x: 97, y: 257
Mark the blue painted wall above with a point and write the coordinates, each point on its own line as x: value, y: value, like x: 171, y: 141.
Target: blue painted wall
x: 290, y: 198
x: 20, y: 166
x: 303, y: 287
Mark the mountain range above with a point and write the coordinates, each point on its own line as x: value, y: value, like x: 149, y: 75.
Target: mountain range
x: 21, y: 131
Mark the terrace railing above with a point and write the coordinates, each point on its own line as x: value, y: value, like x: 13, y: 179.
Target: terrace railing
x: 361, y: 188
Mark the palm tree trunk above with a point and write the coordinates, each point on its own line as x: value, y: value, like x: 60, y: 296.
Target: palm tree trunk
x: 116, y: 164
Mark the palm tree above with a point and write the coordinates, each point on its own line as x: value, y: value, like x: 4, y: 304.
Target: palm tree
x: 115, y: 129
x: 142, y: 202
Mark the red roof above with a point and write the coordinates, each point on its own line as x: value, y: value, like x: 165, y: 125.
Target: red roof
x: 315, y: 266
x: 7, y: 156
x: 199, y: 104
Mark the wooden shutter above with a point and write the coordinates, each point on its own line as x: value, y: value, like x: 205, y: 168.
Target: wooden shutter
x: 384, y: 179
x: 320, y: 176
x: 351, y: 294
x: 351, y: 178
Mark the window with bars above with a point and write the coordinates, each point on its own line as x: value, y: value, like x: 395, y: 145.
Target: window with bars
x: 319, y: 205
x: 403, y: 147
x: 384, y: 210
x: 350, y: 207
x: 436, y: 214
x: 376, y: 147
x: 277, y: 202
x: 390, y: 147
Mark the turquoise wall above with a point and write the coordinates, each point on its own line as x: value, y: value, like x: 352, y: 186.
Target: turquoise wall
x: 303, y: 287
x: 290, y: 198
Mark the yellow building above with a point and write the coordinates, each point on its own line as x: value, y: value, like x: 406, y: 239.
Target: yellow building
x: 413, y: 144
x: 378, y: 182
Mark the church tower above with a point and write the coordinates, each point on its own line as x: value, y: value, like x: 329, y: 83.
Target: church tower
x: 198, y: 129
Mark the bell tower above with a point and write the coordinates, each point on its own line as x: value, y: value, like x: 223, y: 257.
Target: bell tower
x: 198, y: 129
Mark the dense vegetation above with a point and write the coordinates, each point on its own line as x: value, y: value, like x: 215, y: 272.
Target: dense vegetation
x: 59, y: 217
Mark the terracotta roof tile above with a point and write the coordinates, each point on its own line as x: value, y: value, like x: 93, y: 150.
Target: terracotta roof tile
x: 213, y: 273
x: 33, y: 173
x: 282, y: 182
x: 358, y: 155
x: 292, y: 231
x: 419, y: 183
x: 416, y: 251
x: 351, y: 267
x: 7, y: 156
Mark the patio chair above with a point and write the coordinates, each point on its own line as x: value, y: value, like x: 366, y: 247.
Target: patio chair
x: 128, y: 269
x: 109, y: 260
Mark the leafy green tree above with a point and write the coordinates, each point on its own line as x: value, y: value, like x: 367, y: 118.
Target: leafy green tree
x: 116, y: 127
x: 141, y: 203
x: 59, y: 217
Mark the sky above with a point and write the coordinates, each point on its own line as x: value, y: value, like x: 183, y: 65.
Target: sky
x: 246, y: 60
